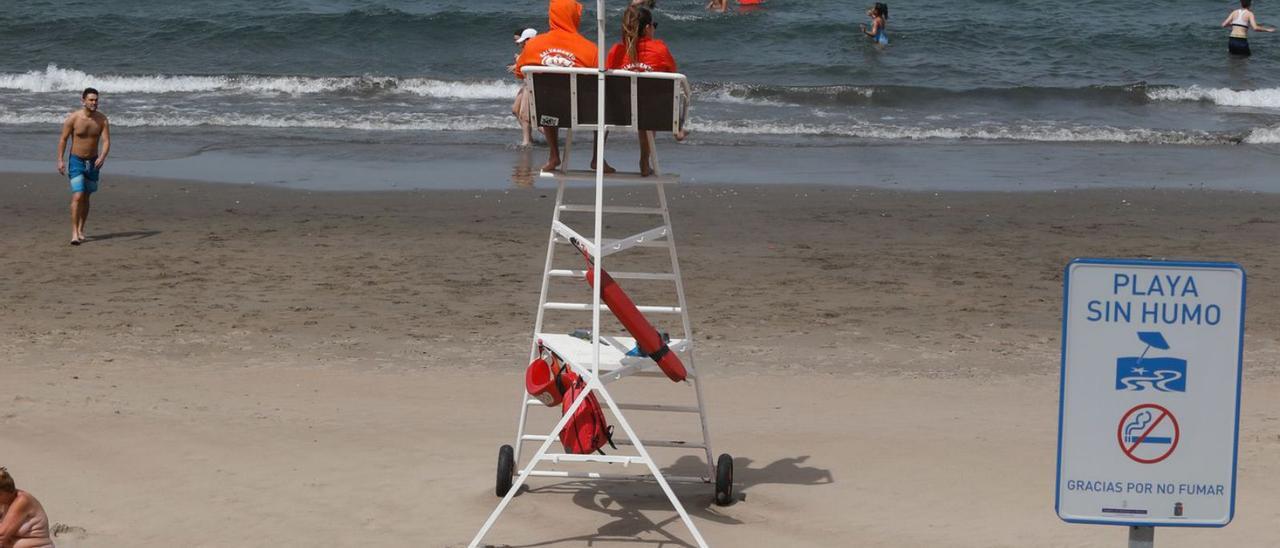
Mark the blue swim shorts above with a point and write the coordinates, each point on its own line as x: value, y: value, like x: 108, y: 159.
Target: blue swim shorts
x: 83, y: 174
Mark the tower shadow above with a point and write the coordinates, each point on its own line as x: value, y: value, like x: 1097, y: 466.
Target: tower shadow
x: 626, y: 503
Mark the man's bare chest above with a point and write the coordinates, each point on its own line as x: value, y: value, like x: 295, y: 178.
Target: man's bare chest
x: 85, y: 127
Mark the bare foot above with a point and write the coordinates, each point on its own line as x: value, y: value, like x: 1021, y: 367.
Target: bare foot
x: 552, y: 164
x: 645, y: 169
x: 607, y: 168
x: 680, y: 135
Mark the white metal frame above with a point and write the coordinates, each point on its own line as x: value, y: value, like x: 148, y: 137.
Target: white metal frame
x: 603, y: 360
x: 681, y: 94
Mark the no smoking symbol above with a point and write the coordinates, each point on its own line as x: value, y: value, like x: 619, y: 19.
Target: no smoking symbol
x: 1148, y: 433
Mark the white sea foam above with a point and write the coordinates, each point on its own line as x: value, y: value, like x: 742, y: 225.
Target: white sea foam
x: 398, y: 122
x: 437, y: 121
x: 55, y: 79
x: 1043, y: 133
x: 740, y: 94
x: 686, y: 16
x: 735, y: 95
x: 1261, y: 98
x: 1263, y: 136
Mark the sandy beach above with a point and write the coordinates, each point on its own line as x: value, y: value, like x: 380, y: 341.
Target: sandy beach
x: 225, y: 365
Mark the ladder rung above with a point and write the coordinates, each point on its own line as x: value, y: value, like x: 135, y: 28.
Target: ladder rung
x: 607, y: 244
x: 587, y: 306
x: 559, y: 273
x: 659, y: 407
x: 659, y: 443
x: 612, y: 209
x: 657, y: 375
x: 534, y: 437
x: 598, y: 475
x: 619, y: 459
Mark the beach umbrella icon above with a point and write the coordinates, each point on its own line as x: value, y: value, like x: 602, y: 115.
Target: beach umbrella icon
x: 1151, y: 338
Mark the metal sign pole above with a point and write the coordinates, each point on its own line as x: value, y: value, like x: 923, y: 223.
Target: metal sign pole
x: 1142, y: 537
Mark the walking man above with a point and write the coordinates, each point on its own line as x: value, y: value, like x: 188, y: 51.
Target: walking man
x: 88, y: 130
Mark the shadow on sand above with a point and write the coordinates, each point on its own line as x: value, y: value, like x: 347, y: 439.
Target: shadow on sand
x: 135, y: 235
x: 625, y: 502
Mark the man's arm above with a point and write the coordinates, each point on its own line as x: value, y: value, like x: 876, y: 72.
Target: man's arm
x: 13, y: 518
x: 106, y: 143
x: 62, y: 149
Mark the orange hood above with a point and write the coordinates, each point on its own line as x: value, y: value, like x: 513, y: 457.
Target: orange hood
x: 561, y: 46
x: 564, y: 15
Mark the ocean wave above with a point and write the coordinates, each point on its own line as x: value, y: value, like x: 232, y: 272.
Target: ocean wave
x: 736, y: 94
x: 912, y: 96
x: 55, y: 79
x: 373, y: 122
x: 1028, y: 133
x: 882, y: 132
x: 1261, y: 98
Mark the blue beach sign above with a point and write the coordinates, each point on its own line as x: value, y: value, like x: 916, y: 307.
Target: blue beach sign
x: 1149, y: 414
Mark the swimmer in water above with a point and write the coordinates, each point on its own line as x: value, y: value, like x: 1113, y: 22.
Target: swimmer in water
x: 1241, y: 21
x: 879, y: 15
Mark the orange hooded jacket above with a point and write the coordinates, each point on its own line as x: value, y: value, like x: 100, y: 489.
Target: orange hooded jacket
x: 561, y: 46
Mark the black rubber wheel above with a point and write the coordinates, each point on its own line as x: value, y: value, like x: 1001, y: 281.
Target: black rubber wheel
x: 506, y: 470
x: 724, y: 480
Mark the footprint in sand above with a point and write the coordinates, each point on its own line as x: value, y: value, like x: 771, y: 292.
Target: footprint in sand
x: 62, y: 530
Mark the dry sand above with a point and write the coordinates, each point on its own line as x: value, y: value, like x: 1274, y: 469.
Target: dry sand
x: 230, y: 365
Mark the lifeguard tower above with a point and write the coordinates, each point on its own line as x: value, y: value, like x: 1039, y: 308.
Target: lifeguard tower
x: 568, y: 98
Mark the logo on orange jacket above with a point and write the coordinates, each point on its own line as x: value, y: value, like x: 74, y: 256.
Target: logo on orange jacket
x: 556, y: 57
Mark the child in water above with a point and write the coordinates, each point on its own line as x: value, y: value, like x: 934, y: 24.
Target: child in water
x: 520, y: 108
x: 879, y: 15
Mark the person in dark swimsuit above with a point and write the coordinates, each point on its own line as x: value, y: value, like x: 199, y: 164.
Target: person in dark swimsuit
x: 1241, y: 22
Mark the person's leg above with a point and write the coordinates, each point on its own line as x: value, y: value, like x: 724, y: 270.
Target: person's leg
x: 522, y: 112
x: 596, y: 143
x: 84, y: 215
x: 553, y: 145
x: 646, y: 162
x: 75, y: 217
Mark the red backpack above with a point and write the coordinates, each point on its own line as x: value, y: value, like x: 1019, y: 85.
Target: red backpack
x: 586, y: 430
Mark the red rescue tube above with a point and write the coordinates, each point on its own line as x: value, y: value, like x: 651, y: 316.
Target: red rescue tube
x: 647, y: 337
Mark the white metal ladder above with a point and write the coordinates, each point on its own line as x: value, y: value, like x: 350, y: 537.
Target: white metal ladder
x: 613, y: 362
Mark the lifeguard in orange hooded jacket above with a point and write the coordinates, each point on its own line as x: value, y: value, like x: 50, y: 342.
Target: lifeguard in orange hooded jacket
x: 561, y: 46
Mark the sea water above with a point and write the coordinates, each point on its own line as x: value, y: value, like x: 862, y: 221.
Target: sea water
x: 379, y: 82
